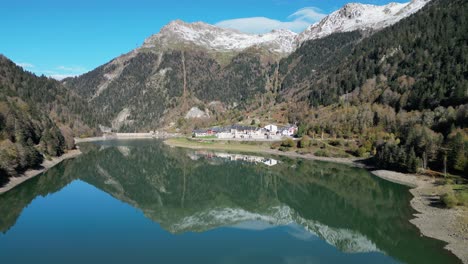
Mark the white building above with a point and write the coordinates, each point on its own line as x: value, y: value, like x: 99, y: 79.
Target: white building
x: 271, y: 128
x: 288, y: 131
x: 200, y: 133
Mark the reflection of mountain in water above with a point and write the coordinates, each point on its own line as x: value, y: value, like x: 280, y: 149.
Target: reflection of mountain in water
x: 343, y: 239
x: 186, y: 191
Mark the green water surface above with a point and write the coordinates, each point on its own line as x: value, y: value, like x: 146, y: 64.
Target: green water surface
x: 143, y: 202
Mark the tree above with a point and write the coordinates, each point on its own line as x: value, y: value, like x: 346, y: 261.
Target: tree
x: 412, y: 162
x: 425, y: 142
x: 458, y: 154
x: 304, y: 142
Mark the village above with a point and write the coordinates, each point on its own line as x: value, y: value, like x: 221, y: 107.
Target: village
x: 240, y: 132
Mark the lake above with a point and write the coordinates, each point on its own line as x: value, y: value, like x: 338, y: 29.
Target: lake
x: 143, y: 202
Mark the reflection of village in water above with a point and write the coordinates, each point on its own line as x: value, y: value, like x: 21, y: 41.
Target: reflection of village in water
x: 232, y: 157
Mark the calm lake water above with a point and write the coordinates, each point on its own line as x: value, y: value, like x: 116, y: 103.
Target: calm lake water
x: 143, y: 202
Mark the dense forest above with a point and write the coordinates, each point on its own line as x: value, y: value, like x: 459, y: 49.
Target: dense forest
x: 38, y: 117
x: 402, y: 92
x: 143, y: 86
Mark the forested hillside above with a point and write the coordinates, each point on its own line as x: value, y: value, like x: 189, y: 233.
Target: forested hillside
x: 420, y: 63
x: 135, y: 92
x: 38, y: 116
x: 403, y: 92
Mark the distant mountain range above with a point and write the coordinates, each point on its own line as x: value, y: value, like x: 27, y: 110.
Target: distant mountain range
x: 349, y: 18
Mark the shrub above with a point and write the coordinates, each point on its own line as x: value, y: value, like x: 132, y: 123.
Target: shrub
x: 322, y: 153
x: 462, y: 198
x: 304, y: 142
x: 361, y: 152
x: 275, y: 145
x: 288, y: 143
x: 449, y: 199
x: 282, y: 148
x: 336, y: 142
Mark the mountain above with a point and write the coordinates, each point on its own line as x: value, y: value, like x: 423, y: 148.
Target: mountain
x: 402, y: 91
x: 355, y: 16
x: 38, y: 116
x: 219, y: 71
x: 144, y: 89
x: 349, y: 18
x: 178, y: 33
x: 407, y: 63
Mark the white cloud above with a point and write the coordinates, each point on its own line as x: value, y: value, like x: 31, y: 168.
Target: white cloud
x: 311, y: 14
x: 298, y: 21
x: 25, y: 65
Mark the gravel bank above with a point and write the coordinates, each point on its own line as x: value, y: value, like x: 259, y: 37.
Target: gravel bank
x: 449, y: 225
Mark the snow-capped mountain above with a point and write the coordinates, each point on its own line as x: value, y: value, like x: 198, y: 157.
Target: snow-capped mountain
x: 220, y: 39
x: 349, y: 18
x: 356, y: 16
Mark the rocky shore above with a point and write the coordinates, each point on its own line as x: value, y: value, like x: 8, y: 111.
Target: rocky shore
x: 448, y: 225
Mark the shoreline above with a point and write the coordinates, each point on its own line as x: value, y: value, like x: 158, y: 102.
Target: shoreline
x: 31, y: 173
x: 123, y: 136
x: 439, y: 223
x: 256, y: 149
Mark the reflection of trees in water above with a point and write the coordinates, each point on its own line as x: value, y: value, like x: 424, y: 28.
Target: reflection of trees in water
x: 171, y: 187
x: 14, y: 201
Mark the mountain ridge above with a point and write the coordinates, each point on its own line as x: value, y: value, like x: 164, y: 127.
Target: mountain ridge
x: 353, y: 16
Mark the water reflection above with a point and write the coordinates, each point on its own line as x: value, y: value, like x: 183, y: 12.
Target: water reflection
x: 222, y: 156
x: 195, y: 191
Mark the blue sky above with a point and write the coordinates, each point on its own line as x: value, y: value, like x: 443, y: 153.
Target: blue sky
x: 63, y: 37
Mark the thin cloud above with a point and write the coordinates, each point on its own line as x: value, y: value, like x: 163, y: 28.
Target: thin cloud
x: 311, y: 14
x: 298, y: 21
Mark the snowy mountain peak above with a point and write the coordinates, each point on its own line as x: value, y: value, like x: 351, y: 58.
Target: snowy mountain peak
x: 220, y: 39
x: 355, y: 16
x: 352, y: 16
